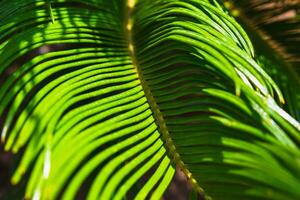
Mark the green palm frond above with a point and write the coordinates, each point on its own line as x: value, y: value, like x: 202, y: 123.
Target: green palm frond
x: 129, y: 91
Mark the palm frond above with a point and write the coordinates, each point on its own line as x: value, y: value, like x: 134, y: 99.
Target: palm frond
x: 136, y: 87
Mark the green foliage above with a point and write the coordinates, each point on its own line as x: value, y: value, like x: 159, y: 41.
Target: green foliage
x: 274, y: 26
x: 130, y: 91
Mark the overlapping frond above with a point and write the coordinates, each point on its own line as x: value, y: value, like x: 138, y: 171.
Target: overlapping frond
x: 274, y: 25
x: 130, y: 90
x: 279, y: 22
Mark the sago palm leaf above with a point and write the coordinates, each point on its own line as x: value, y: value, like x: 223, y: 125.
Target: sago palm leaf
x: 132, y: 89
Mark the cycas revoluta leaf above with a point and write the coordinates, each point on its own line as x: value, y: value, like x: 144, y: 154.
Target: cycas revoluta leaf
x: 133, y: 87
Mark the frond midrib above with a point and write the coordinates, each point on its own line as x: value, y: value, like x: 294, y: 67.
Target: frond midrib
x: 158, y: 116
